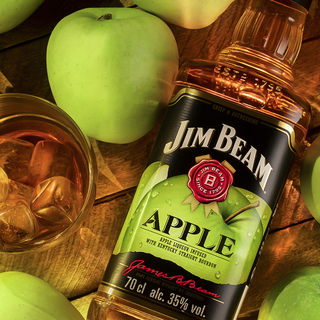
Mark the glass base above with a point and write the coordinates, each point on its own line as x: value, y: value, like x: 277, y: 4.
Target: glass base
x: 108, y: 307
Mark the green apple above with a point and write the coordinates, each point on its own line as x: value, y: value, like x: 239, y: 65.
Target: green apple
x: 309, y: 179
x: 233, y: 245
x: 295, y: 296
x: 23, y: 296
x: 14, y: 12
x: 152, y: 175
x: 190, y: 14
x: 263, y: 209
x: 112, y: 70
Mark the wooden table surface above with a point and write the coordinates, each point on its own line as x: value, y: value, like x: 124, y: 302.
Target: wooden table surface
x: 77, y: 266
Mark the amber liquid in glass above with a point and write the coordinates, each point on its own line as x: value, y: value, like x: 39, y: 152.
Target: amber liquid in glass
x: 34, y: 129
x: 53, y: 134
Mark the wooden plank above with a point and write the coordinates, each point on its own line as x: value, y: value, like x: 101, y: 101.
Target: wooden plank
x: 44, y: 19
x: 307, y: 78
x: 312, y: 28
x: 24, y: 67
x: 82, y: 304
x: 291, y: 207
x: 205, y: 43
x: 244, y: 317
x: 76, y: 266
x: 284, y: 241
x: 121, y: 166
x: 284, y: 251
x: 5, y: 85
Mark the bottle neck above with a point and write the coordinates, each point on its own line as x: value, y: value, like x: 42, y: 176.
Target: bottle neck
x: 267, y: 40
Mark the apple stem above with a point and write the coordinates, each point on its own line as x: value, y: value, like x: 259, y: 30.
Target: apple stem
x: 106, y: 16
x: 247, y: 207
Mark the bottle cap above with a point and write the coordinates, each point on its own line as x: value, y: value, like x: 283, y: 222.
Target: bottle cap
x: 304, y: 3
x: 310, y: 179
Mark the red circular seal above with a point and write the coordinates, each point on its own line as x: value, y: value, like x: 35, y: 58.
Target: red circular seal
x: 209, y: 181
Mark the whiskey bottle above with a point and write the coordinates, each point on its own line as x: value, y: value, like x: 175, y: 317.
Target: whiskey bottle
x: 193, y: 234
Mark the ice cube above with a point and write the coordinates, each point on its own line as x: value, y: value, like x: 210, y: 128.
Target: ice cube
x: 17, y: 223
x: 18, y: 190
x: 4, y: 181
x: 49, y: 159
x: 56, y: 202
x: 15, y: 155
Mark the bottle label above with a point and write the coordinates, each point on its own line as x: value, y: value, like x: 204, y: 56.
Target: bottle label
x: 193, y: 233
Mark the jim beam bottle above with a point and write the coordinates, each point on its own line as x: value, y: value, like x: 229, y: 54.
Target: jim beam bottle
x: 201, y: 212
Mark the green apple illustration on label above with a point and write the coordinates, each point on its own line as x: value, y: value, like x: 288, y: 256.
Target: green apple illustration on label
x: 152, y: 175
x: 186, y: 13
x: 199, y: 221
x: 112, y: 70
x: 15, y: 12
x: 263, y: 209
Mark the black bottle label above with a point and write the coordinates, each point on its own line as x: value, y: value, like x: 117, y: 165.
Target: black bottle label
x: 192, y: 236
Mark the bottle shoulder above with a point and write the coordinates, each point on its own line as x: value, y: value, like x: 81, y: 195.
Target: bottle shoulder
x: 247, y: 88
